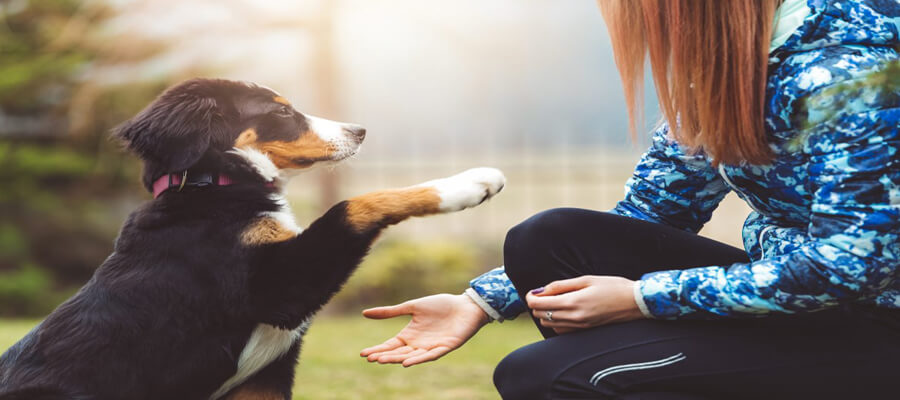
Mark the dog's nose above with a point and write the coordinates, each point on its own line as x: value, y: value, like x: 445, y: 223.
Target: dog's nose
x: 356, y: 131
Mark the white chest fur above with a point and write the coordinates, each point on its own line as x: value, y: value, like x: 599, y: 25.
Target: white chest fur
x: 265, y: 345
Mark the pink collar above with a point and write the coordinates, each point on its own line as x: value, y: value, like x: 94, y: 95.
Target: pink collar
x: 179, y: 181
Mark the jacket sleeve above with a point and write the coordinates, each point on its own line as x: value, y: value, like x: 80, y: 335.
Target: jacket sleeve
x: 668, y: 186
x: 672, y: 186
x: 853, y: 242
x: 499, y: 294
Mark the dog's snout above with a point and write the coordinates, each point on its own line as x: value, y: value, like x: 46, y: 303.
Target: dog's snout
x: 356, y: 131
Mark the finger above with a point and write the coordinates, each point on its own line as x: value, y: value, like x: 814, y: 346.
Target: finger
x: 389, y: 344
x: 393, y: 358
x: 398, y: 358
x: 388, y: 311
x: 565, y: 285
x: 563, y: 331
x: 559, y: 302
x: 558, y: 315
x: 431, y: 355
x: 400, y: 350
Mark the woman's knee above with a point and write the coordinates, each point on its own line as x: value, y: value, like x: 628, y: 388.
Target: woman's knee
x: 535, y: 238
x: 522, y: 375
x: 542, y: 224
x: 554, y: 237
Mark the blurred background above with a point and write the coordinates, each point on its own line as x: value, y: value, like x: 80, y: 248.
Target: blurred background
x: 527, y: 86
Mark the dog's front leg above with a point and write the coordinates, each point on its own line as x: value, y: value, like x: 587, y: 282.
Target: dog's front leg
x: 294, y: 278
x: 377, y: 210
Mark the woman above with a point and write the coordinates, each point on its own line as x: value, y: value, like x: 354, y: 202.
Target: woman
x: 633, y: 304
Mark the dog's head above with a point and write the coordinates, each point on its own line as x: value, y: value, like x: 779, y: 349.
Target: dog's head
x: 200, y: 117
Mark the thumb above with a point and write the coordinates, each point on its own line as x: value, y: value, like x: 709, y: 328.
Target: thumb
x: 565, y: 286
x: 388, y: 311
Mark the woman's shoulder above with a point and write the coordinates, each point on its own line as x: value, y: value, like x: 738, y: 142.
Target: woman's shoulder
x: 844, y: 22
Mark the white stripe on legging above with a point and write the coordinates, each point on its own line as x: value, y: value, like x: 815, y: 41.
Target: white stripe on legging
x: 631, y: 367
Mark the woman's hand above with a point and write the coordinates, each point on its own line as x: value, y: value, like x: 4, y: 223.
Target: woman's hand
x: 440, y: 324
x: 584, y: 302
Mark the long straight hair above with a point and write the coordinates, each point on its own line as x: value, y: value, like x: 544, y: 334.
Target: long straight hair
x: 708, y: 59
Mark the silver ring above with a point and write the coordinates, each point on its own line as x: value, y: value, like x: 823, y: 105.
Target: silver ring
x: 549, y: 315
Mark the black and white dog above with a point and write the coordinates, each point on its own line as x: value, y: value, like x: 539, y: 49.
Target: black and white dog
x: 212, y: 283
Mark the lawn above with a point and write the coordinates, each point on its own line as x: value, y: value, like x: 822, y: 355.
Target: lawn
x: 330, y: 366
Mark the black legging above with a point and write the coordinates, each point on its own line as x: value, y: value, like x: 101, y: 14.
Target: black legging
x: 845, y: 353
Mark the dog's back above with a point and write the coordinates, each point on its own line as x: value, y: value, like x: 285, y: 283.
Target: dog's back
x: 41, y: 394
x: 163, y: 316
x: 11, y: 389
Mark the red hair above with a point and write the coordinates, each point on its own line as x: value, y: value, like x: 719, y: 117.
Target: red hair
x: 709, y: 60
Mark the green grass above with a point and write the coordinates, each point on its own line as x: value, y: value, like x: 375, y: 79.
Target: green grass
x: 330, y: 366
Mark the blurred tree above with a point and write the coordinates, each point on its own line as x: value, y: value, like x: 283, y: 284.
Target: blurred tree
x: 42, y: 53
x: 62, y: 192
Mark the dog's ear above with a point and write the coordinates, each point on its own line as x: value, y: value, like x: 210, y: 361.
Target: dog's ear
x: 174, y: 131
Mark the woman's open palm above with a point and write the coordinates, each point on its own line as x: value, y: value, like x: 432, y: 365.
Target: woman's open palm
x: 440, y: 324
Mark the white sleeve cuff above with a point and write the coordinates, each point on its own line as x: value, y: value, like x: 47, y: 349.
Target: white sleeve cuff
x: 493, y: 315
x: 639, y: 299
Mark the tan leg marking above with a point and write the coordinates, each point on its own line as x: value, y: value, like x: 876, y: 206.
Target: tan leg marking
x: 391, y: 206
x: 281, y: 100
x: 246, y: 137
x: 266, y: 230
x: 253, y: 392
x: 301, y: 153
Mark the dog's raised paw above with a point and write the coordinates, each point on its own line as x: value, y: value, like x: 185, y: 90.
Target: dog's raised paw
x: 468, y: 188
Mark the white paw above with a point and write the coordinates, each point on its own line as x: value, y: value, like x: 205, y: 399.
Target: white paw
x: 468, y: 188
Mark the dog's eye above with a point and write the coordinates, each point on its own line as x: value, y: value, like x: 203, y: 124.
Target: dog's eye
x: 284, y: 111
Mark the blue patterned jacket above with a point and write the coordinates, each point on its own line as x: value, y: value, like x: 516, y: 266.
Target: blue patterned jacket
x: 825, y: 229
